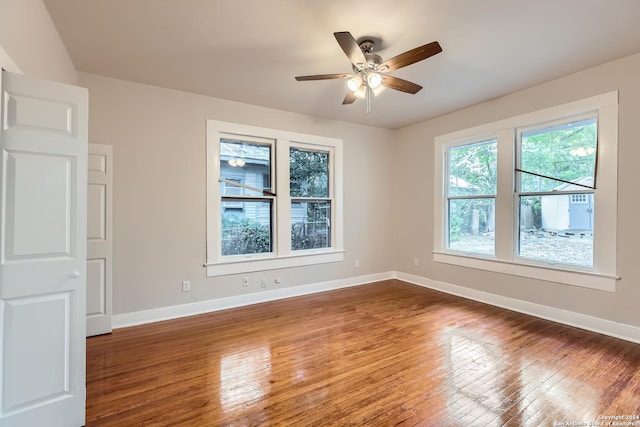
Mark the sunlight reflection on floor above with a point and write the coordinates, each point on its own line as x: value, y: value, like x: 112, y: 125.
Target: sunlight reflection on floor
x: 244, y: 378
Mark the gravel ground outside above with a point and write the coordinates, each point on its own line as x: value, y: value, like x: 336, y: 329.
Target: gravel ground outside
x: 576, y: 249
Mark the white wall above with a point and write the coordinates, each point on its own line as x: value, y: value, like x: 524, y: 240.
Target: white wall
x: 159, y: 183
x: 29, y: 37
x: 159, y: 193
x: 414, y: 156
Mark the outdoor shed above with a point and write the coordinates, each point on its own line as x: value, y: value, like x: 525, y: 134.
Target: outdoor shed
x: 569, y: 212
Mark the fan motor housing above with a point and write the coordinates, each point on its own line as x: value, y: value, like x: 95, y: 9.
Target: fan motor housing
x: 373, y: 60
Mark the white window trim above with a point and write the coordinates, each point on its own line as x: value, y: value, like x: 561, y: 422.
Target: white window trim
x: 282, y: 256
x: 603, y: 274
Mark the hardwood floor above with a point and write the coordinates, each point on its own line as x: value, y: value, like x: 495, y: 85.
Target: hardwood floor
x: 384, y: 354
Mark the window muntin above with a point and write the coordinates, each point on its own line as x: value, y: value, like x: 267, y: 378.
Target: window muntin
x: 471, y: 191
x: 578, y: 198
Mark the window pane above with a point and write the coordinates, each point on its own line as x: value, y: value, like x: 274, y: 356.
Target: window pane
x: 246, y: 227
x: 245, y: 163
x: 472, y: 169
x: 310, y: 224
x: 231, y: 190
x: 309, y: 173
x: 557, y: 228
x: 566, y: 152
x: 472, y: 225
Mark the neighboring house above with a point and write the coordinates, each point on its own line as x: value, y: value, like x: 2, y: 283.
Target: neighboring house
x: 249, y: 165
x: 568, y: 211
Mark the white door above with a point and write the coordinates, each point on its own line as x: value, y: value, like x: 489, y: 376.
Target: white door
x: 43, y: 198
x: 99, y: 238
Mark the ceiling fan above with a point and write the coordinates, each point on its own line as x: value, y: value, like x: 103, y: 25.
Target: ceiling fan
x: 369, y: 76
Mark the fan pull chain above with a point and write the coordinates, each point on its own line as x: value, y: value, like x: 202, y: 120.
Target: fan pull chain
x: 368, y: 100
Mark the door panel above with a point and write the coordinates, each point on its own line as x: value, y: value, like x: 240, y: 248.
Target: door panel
x: 99, y: 239
x: 40, y: 114
x: 96, y: 288
x: 98, y: 160
x: 45, y: 375
x: 38, y: 217
x: 96, y: 212
x: 43, y: 200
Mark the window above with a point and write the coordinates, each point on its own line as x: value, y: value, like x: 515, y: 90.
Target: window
x: 310, y: 198
x: 471, y: 196
x: 246, y: 217
x: 230, y: 189
x: 273, y: 199
x: 557, y: 168
x: 519, y: 196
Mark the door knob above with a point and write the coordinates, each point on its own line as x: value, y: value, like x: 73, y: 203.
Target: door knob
x: 75, y: 274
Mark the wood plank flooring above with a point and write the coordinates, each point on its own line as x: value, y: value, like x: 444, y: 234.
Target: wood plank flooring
x: 384, y: 354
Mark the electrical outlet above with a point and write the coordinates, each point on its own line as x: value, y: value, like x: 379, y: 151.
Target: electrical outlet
x: 245, y: 281
x: 263, y: 282
x: 357, y: 264
x: 416, y: 262
x: 186, y: 286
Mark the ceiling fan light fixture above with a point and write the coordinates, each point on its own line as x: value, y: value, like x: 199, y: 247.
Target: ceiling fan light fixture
x: 374, y: 80
x: 377, y: 91
x: 361, y: 92
x: 354, y: 83
x: 236, y: 163
x: 369, y: 75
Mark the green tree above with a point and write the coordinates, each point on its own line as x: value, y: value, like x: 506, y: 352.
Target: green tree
x: 565, y: 152
x: 472, y: 172
x: 308, y: 173
x: 309, y: 180
x: 472, y: 169
x: 244, y: 236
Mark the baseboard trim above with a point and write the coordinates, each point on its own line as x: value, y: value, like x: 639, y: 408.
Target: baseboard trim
x: 578, y: 320
x: 183, y: 310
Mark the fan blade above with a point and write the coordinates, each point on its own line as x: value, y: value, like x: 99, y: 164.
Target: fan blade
x: 411, y: 57
x: 351, y: 48
x: 322, y: 77
x: 350, y: 98
x: 400, y: 84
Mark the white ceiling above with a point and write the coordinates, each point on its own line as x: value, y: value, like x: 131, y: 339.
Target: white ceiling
x: 251, y: 50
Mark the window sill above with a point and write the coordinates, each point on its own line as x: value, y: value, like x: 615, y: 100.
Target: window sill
x: 583, y: 279
x: 248, y: 265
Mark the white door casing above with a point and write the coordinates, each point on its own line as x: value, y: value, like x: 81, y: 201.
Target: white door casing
x: 99, y: 239
x: 43, y: 194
